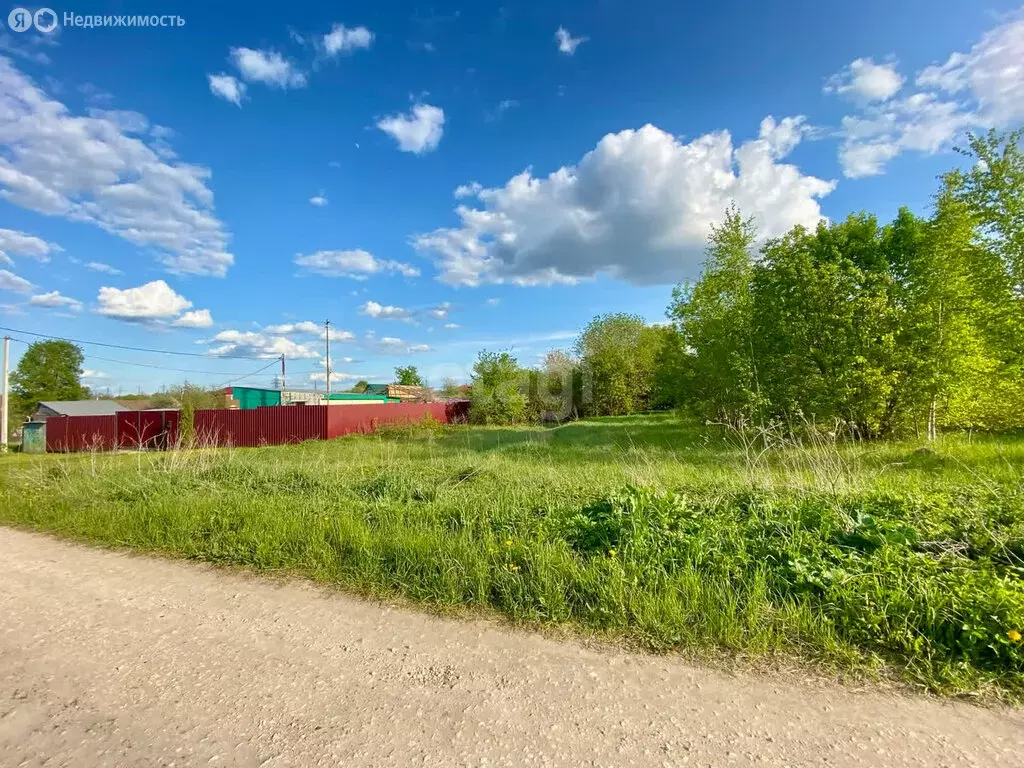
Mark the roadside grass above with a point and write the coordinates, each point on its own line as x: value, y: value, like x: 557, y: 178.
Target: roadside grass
x: 891, y: 559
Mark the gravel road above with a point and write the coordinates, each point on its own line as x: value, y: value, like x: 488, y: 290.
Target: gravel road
x: 114, y: 660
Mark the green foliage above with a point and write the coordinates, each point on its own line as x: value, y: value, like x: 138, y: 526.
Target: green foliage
x: 408, y: 376
x: 188, y: 395
x: 497, y: 396
x: 713, y: 320
x: 360, y: 387
x: 48, y: 370
x: 618, y: 354
x: 994, y: 190
x: 824, y: 327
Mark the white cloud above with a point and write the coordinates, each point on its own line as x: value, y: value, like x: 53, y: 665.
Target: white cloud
x: 992, y: 72
x: 153, y: 301
x: 126, y: 120
x: 198, y: 318
x: 342, y: 39
x: 357, y: 264
x: 251, y: 344
x: 864, y: 81
x: 472, y: 189
x: 227, y: 87
x: 418, y: 131
x: 99, y: 266
x: 391, y: 345
x: 318, y: 200
x: 88, y: 169
x: 21, y: 244
x: 383, y: 312
x: 337, y: 376
x: 981, y: 89
x: 638, y: 207
x: 440, y: 311
x: 90, y: 374
x: 452, y: 326
x: 55, y: 299
x: 568, y: 44
x: 337, y: 335
x: 284, y: 329
x: 11, y: 282
x: 375, y: 310
x: 493, y: 301
x: 267, y: 67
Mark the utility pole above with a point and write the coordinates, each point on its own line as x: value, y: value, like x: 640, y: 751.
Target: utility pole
x: 327, y: 338
x: 282, y: 374
x: 5, y: 392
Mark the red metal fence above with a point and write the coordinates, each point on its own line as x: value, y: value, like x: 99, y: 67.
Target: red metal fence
x: 269, y: 425
x: 147, y: 429
x: 81, y: 433
x: 350, y: 419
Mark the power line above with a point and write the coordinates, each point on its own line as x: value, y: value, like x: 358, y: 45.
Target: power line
x: 122, y: 346
x: 157, y: 367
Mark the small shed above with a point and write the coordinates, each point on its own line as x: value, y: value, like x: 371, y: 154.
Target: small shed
x: 255, y: 397
x: 33, y: 437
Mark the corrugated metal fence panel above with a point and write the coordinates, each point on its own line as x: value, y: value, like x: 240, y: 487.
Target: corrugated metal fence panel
x: 81, y: 433
x: 147, y: 429
x: 365, y: 419
x: 270, y: 425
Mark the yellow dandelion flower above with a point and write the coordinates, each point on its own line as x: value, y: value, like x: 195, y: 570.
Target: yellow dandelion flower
x: 508, y: 542
x: 611, y: 553
x: 1014, y: 635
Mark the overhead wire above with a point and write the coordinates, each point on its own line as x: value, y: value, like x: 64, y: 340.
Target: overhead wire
x: 90, y: 356
x: 123, y: 346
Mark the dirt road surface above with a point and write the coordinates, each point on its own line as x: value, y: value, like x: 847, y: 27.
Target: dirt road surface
x: 116, y: 660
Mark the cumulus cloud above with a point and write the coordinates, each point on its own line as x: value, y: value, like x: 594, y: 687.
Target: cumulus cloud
x: 472, y: 189
x: 338, y: 376
x: 342, y: 39
x: 375, y: 310
x: 90, y: 374
x: 11, y: 282
x: 357, y: 264
x: 992, y: 73
x: 568, y: 44
x: 383, y: 312
x: 228, y: 87
x: 980, y: 89
x: 267, y: 67
x: 318, y: 200
x: 638, y: 207
x: 86, y: 168
x: 392, y: 345
x: 418, y: 131
x: 198, y: 318
x: 866, y: 82
x: 153, y: 301
x: 17, y: 243
x: 452, y: 326
x: 54, y: 299
x: 233, y: 343
x: 99, y: 266
x: 303, y: 326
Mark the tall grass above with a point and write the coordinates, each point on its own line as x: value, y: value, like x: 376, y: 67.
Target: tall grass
x: 874, y: 557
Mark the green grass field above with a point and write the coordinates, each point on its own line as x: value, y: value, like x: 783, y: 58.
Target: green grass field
x: 884, y: 559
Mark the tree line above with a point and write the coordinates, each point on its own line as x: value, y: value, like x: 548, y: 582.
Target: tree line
x: 883, y: 329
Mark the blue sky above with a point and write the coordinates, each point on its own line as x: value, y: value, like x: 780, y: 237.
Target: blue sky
x: 444, y: 177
